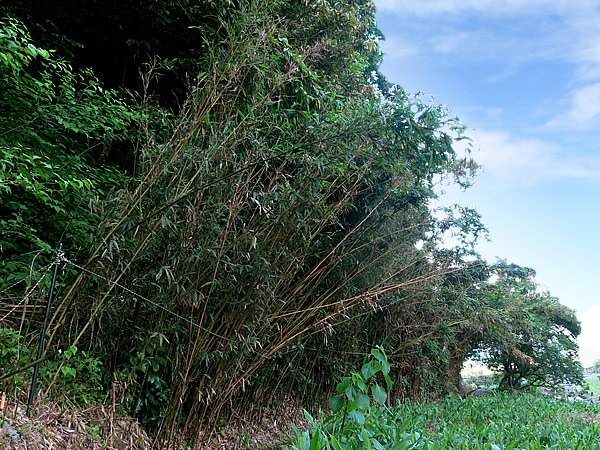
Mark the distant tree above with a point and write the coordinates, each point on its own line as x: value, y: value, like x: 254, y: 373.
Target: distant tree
x: 529, y: 336
x: 595, y: 368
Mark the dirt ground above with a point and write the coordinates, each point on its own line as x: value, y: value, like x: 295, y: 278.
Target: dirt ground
x: 53, y: 427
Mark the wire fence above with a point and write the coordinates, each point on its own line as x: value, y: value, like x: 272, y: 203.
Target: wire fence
x: 137, y: 295
x: 62, y: 258
x: 28, y: 292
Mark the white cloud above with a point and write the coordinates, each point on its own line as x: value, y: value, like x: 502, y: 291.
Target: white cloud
x: 586, y: 43
x: 583, y: 112
x: 589, y: 339
x: 543, y: 30
x: 427, y: 7
x: 583, y: 99
x: 507, y: 157
x: 586, y: 52
x: 548, y: 31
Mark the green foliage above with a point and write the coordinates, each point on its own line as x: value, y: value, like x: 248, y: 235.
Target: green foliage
x: 76, y: 374
x: 13, y: 354
x: 9, y: 347
x: 353, y: 392
x: 147, y: 371
x: 54, y: 120
x: 356, y: 417
x: 119, y: 40
x: 594, y: 387
x: 506, y: 322
x: 284, y: 210
x: 595, y: 368
x: 52, y: 105
x: 501, y: 421
x: 535, y: 342
x: 282, y: 228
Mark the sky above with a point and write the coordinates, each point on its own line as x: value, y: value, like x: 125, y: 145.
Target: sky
x: 524, y: 77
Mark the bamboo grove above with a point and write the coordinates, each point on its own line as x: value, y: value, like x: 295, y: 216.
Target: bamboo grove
x: 271, y: 225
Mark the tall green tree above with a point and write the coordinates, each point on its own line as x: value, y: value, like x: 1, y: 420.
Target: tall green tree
x: 281, y: 218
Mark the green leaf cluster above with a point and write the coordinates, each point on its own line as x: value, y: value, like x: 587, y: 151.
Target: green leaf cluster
x: 356, y: 416
x: 54, y: 121
x: 534, y: 339
x: 76, y: 375
x: 505, y: 321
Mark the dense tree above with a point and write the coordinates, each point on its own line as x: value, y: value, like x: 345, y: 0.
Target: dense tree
x: 540, y: 346
x: 525, y: 334
x: 117, y: 39
x: 54, y: 121
x: 281, y: 216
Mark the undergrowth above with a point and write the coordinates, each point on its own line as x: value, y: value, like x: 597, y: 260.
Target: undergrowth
x: 506, y: 420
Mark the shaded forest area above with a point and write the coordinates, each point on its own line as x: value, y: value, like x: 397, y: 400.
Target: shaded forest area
x: 244, y: 205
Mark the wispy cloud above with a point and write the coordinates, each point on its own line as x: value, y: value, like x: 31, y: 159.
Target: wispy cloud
x: 583, y: 96
x: 486, y: 6
x: 541, y: 34
x: 507, y: 157
x: 476, y: 31
x: 583, y: 112
x: 586, y: 46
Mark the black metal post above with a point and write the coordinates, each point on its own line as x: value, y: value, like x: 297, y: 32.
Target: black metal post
x: 43, y: 335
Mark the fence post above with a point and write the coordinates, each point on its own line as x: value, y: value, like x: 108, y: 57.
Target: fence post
x: 43, y: 334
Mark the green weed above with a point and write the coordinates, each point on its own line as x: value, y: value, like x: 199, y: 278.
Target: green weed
x: 506, y: 420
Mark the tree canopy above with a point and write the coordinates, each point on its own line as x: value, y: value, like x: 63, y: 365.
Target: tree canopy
x: 534, y: 342
x: 55, y: 122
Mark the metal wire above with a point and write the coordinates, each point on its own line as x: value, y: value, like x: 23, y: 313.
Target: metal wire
x: 29, y: 292
x: 137, y: 295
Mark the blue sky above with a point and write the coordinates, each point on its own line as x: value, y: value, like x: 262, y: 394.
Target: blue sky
x: 524, y: 76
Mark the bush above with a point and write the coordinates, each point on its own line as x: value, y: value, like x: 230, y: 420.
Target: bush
x: 54, y: 122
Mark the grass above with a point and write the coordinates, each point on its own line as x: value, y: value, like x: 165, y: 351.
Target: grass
x: 594, y: 386
x: 504, y: 421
